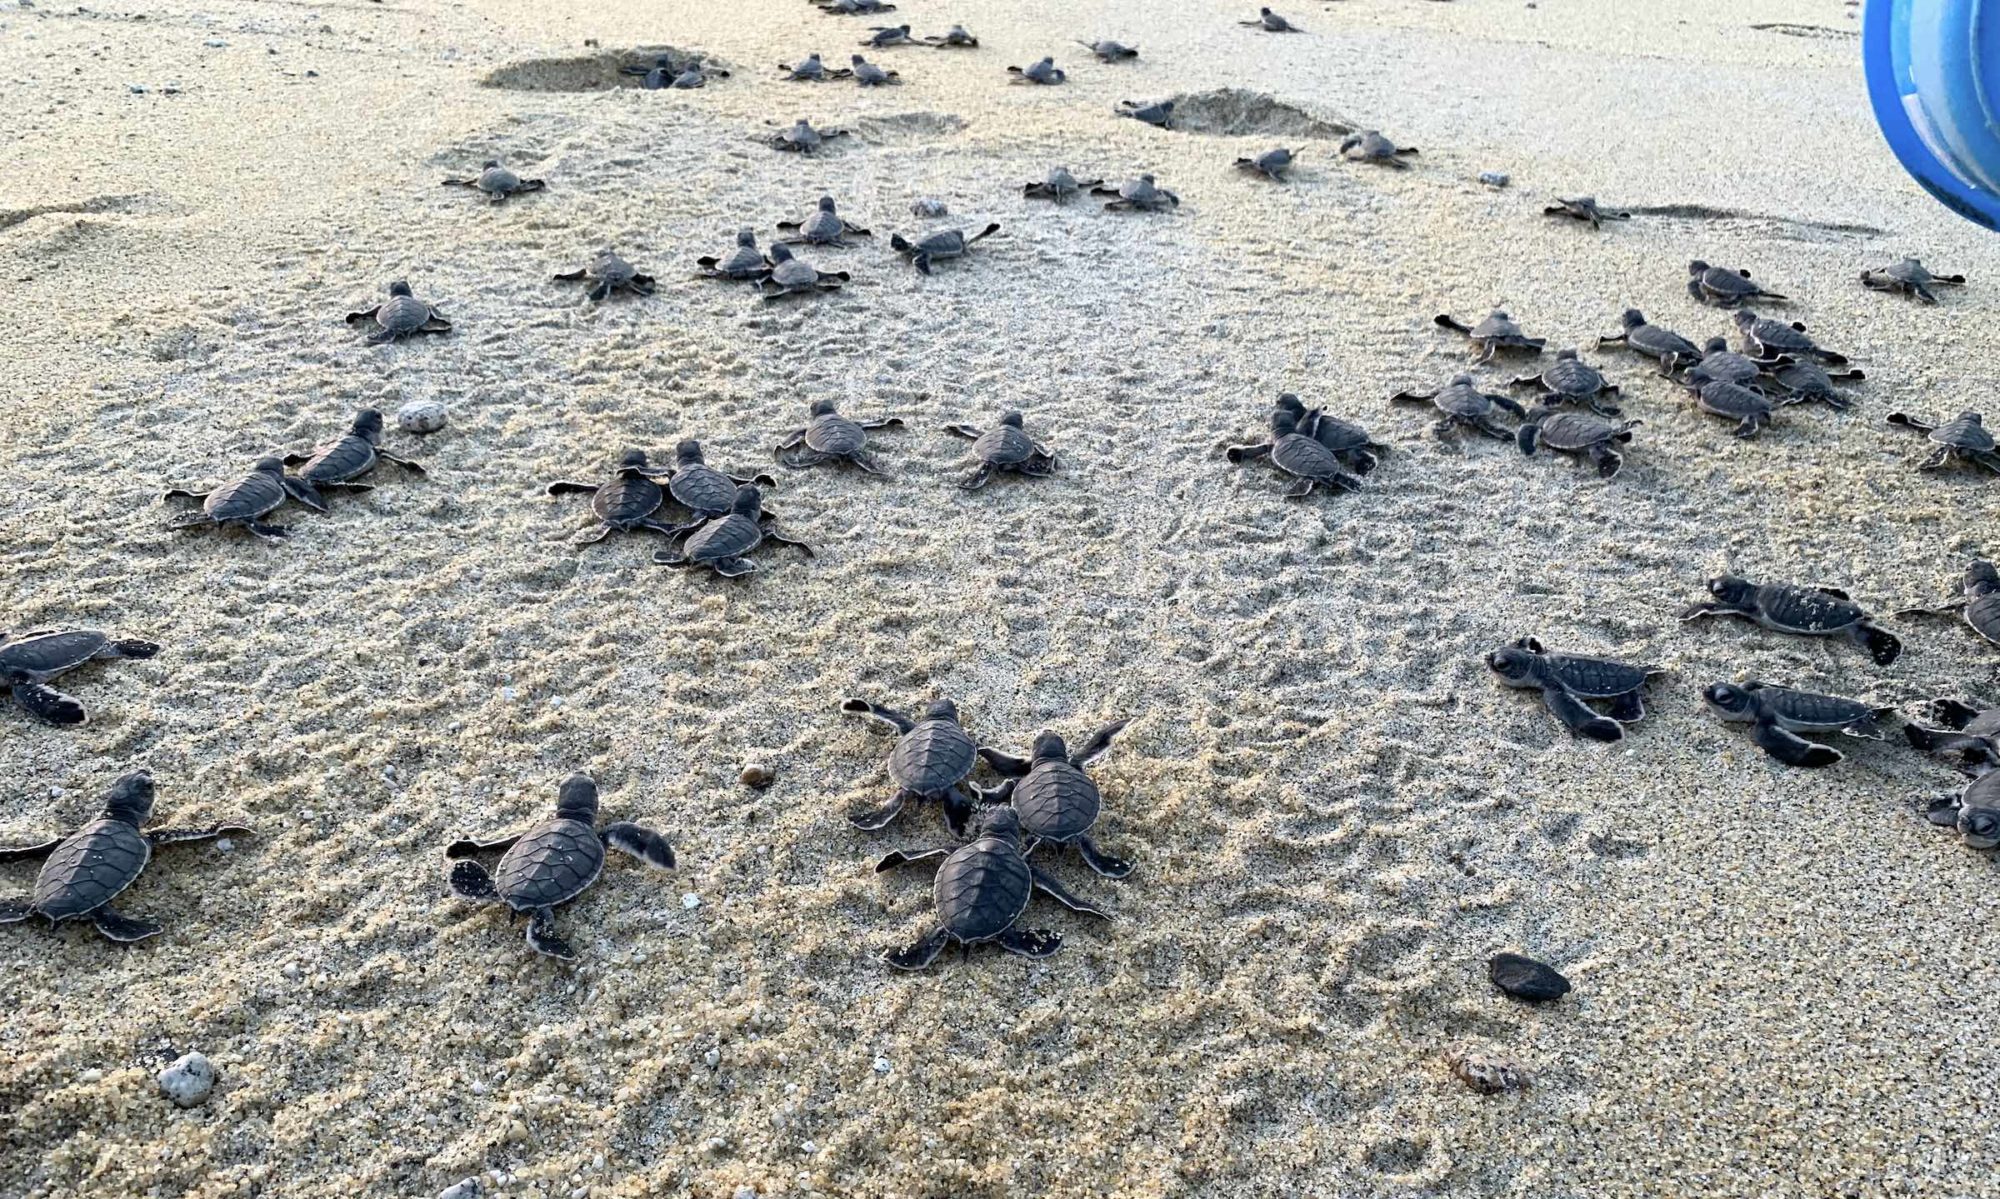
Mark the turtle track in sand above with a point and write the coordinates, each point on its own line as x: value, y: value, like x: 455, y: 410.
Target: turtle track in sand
x: 599, y: 72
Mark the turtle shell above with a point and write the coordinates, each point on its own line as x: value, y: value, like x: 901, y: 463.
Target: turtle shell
x: 731, y: 537
x: 1056, y: 801
x: 1982, y: 612
x: 627, y: 499
x: 1342, y: 437
x: 1725, y: 365
x: 50, y: 653
x: 932, y: 758
x: 1003, y: 445
x: 339, y: 460
x: 948, y: 243
x: 1575, y: 431
x: 1804, y: 378
x: 1776, y: 335
x: 1594, y: 678
x: 498, y: 179
x: 1732, y: 399
x: 1811, y: 710
x: 1496, y: 328
x: 1727, y: 282
x: 1966, y: 431
x: 703, y: 489
x: 1657, y: 341
x: 823, y: 226
x: 402, y: 314
x: 1572, y: 377
x: 1300, y: 455
x: 835, y: 434
x: 1463, y: 399
x: 801, y: 136
x: 246, y: 498
x: 551, y: 864
x: 982, y: 889
x: 1795, y: 609
x: 1909, y: 270
x: 612, y: 269
x: 795, y: 275
x: 744, y: 260
x: 90, y: 868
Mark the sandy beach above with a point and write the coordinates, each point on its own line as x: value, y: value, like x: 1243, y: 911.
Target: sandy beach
x: 1783, y: 978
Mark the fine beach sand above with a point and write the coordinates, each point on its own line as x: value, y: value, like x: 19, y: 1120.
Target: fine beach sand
x: 1783, y: 978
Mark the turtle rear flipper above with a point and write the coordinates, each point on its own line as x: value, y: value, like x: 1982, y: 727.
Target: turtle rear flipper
x: 1047, y: 885
x: 1791, y: 749
x: 1580, y: 717
x: 1098, y: 745
x: 30, y: 853
x: 639, y: 842
x: 878, y: 817
x: 1882, y: 645
x: 189, y: 520
x: 14, y: 911
x: 918, y: 954
x: 899, y: 721
x: 128, y: 647
x: 48, y: 704
x: 1868, y: 728
x: 1029, y: 942
x: 121, y: 928
x: 266, y: 531
x: 542, y: 937
x: 1101, y: 862
x: 1629, y: 708
x: 305, y: 493
x: 469, y: 880
x: 1953, y: 713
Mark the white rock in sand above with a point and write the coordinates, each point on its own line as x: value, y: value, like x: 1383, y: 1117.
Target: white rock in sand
x: 188, y: 1080
x: 421, y: 416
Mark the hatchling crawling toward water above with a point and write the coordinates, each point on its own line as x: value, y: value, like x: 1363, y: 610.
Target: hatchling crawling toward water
x: 1722, y: 287
x: 1273, y: 164
x: 334, y: 465
x: 1271, y: 22
x: 1910, y: 278
x: 1567, y: 680
x: 1579, y: 434
x: 1770, y: 340
x: 1749, y: 408
x: 932, y: 758
x: 243, y: 501
x: 625, y: 503
x: 401, y: 315
x: 933, y: 247
x: 812, y: 70
x: 825, y: 227
x: 829, y: 437
x: 1584, y: 208
x: 1005, y: 447
x: 1790, y: 608
x: 1138, y: 195
x: 1044, y: 72
x: 1970, y: 737
x: 982, y: 890
x: 802, y: 138
x: 1669, y: 348
x: 607, y: 273
x: 744, y: 262
x: 666, y: 72
x: 1370, y: 146
x: 1963, y: 438
x: 1496, y: 333
x: 955, y: 38
x: 703, y: 490
x: 724, y: 542
x: 82, y: 873
x: 1160, y: 113
x: 30, y: 661
x: 497, y: 183
x: 1720, y: 364
x: 1779, y: 714
x: 853, y: 8
x: 1805, y: 382
x: 867, y: 74
x: 552, y: 863
x: 1059, y: 186
x: 1056, y: 801
x: 1973, y: 813
x: 791, y: 276
x: 1463, y: 406
x: 1980, y: 601
x: 881, y: 37
x: 1571, y: 380
x: 1349, y: 442
x: 1298, y: 455
x: 1110, y: 51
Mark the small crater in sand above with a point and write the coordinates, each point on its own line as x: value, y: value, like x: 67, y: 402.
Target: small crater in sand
x: 909, y: 127
x: 592, y: 72
x: 1233, y: 112
x: 1396, y: 1155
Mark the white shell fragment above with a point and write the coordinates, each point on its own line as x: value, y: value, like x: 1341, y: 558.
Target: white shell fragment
x: 188, y: 1080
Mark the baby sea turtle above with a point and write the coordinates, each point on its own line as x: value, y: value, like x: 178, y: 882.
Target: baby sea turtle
x: 954, y: 38
x: 497, y: 183
x: 867, y: 74
x: 30, y: 661
x: 1056, y: 801
x: 1002, y: 448
x: 946, y: 243
x: 1138, y: 195
x: 607, y: 273
x: 553, y: 862
x: 334, y: 465
x: 853, y: 8
x: 1790, y: 608
x: 401, y: 315
x: 1779, y: 714
x: 1271, y: 163
x: 1571, y: 380
x: 829, y: 437
x: 802, y: 138
x: 1749, y: 408
x: 824, y: 227
x: 1808, y: 382
x: 725, y: 542
x: 1497, y: 332
x: 1584, y: 208
x: 931, y: 758
x: 1348, y: 441
x: 1579, y: 434
x: 1720, y: 364
x: 1271, y: 22
x: 1980, y: 603
x: 1910, y: 278
x: 881, y: 37
x: 1059, y: 186
x: 982, y: 889
x: 1772, y: 339
x: 82, y: 873
x: 1160, y: 113
x: 668, y: 72
x: 1464, y: 407
x: 791, y: 276
x: 624, y: 503
x: 239, y: 502
x: 1567, y: 680
x: 1722, y: 287
x: 1669, y: 348
x: 744, y: 262
x: 702, y: 489
x: 1299, y: 455
x: 1043, y: 72
x: 1963, y: 438
x: 812, y: 70
x: 1110, y: 51
x: 1973, y: 813
x: 1970, y: 737
x: 1370, y: 146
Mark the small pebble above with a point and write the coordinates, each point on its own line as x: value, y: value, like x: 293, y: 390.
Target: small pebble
x: 421, y: 416
x: 746, y: 1193
x: 465, y: 1189
x: 1487, y: 1073
x: 930, y: 207
x: 215, y: 43
x: 1494, y: 178
x: 225, y: 845
x: 881, y: 1065
x: 1526, y: 978
x: 188, y: 1081
x: 757, y: 776
x: 713, y: 1058
x: 690, y: 901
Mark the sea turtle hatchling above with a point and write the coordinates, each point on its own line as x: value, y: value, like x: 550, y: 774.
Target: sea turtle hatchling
x: 1579, y: 434
x: 1749, y: 408
x: 955, y: 38
x: 1045, y: 72
x: 982, y: 890
x: 401, y: 315
x: 1667, y: 347
x: 241, y: 501
x: 552, y: 862
x: 1722, y: 287
x: 608, y: 272
x: 931, y: 758
x: 1110, y: 51
x: 881, y: 37
x: 1567, y: 680
x: 1059, y: 186
x: 1790, y: 608
x: 867, y: 74
x: 1463, y: 406
x: 1271, y: 22
x: 1056, y: 801
x: 1584, y: 208
x: 1779, y: 714
x: 1349, y: 442
x: 624, y: 503
x: 743, y: 262
x: 702, y: 489
x: 1720, y: 364
x: 1771, y: 339
x: 724, y: 543
x: 1910, y: 278
x: 1272, y: 164
x: 1970, y: 737
x: 1973, y: 813
x: 934, y: 247
x: 1160, y: 113
x: 825, y: 227
x: 497, y: 183
x: 1143, y: 194
x: 1805, y: 382
x: 1963, y: 438
x: 82, y: 873
x: 1298, y: 455
x: 1004, y: 448
x: 802, y: 138
x: 853, y: 8
x: 1370, y: 146
x: 30, y: 661
x: 1979, y: 602
x: 334, y: 465
x: 812, y: 70
x: 1496, y: 333
x: 791, y: 276
x: 1571, y: 380
x: 829, y: 437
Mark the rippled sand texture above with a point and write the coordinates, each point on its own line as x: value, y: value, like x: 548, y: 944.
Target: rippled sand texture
x: 1782, y: 977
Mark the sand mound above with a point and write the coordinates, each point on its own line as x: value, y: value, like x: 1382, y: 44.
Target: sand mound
x: 1233, y: 112
x: 590, y: 73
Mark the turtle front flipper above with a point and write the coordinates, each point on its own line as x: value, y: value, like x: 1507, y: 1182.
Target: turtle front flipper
x: 1248, y: 453
x: 773, y: 535
x: 958, y: 809
x: 542, y: 937
x: 266, y: 531
x: 900, y: 857
x: 1103, y: 863
x: 128, y: 647
x: 918, y: 954
x: 889, y: 716
x: 1580, y: 718
x: 1005, y: 763
x: 1099, y: 743
x: 592, y: 535
x: 1607, y: 460
x: 571, y: 487
x: 978, y: 478
x: 14, y: 911
x: 1791, y: 749
x: 304, y: 492
x: 638, y: 841
x: 871, y: 819
x: 468, y: 846
x: 48, y: 704
x: 121, y: 928
x: 1046, y: 883
x: 177, y: 836
x: 355, y: 318
x: 469, y: 880
x: 30, y: 853
x: 1882, y: 645
x: 1953, y: 713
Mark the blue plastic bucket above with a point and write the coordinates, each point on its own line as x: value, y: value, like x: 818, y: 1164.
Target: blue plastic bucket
x: 1934, y: 78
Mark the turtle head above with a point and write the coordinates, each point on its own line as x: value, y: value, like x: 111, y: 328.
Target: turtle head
x: 1499, y: 314
x: 1981, y: 578
x: 1979, y: 828
x: 491, y: 164
x: 269, y: 465
x: 1732, y: 590
x: 1050, y: 748
x: 1011, y: 419
x: 747, y: 238
x: 130, y: 799
x: 1729, y: 700
x: 1146, y: 179
x: 1000, y: 822
x: 1515, y: 665
x: 780, y: 252
x: 941, y: 709
x: 577, y: 799
x: 1283, y: 423
x: 688, y: 452
x: 748, y: 502
x: 826, y: 202
x: 1631, y: 318
x: 1292, y: 404
x: 400, y: 287
x: 368, y: 423
x: 632, y: 459
x: 1697, y: 267
x: 1715, y: 345
x: 856, y: 59
x: 821, y: 408
x: 1745, y: 319
x: 1461, y: 380
x: 1566, y: 354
